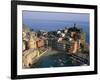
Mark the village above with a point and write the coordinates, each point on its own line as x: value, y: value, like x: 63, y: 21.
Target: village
x: 37, y: 43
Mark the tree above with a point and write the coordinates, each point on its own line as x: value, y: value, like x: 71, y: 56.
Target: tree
x: 83, y: 41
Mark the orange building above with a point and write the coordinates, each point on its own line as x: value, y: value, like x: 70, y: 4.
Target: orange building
x: 40, y: 43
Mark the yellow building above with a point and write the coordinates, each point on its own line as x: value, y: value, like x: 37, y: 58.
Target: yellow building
x: 32, y: 43
x: 29, y: 57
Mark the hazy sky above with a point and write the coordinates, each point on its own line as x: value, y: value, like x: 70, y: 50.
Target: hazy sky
x: 55, y: 16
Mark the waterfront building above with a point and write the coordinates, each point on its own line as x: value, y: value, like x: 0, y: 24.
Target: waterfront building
x: 29, y: 57
x: 32, y: 43
x: 61, y: 45
x: 66, y: 30
x: 40, y: 43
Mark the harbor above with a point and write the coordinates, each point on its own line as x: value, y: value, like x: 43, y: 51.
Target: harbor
x: 59, y: 59
x: 59, y: 48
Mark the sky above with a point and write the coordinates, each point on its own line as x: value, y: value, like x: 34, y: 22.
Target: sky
x: 61, y: 16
